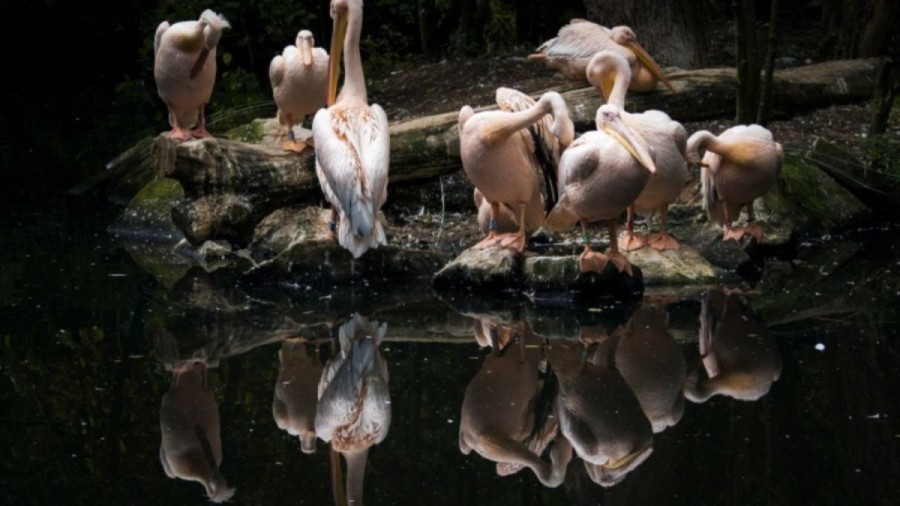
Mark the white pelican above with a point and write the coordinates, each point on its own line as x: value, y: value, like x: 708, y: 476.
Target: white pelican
x: 600, y: 175
x: 739, y: 354
x: 739, y: 166
x: 598, y: 412
x: 510, y: 154
x: 666, y: 138
x: 572, y: 48
x: 296, y: 391
x: 299, y: 77
x: 354, y: 410
x: 185, y: 70
x: 351, y: 138
x: 191, y: 446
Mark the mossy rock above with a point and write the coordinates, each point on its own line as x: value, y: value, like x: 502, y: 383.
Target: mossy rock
x: 491, y: 268
x: 148, y: 215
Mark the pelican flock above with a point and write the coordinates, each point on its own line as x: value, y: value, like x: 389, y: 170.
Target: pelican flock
x: 299, y: 77
x: 184, y: 66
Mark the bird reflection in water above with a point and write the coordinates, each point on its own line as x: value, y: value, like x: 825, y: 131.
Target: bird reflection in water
x: 191, y: 446
x: 297, y: 389
x: 598, y: 412
x: 354, y: 410
x: 652, y: 365
x: 508, y: 412
x: 739, y: 354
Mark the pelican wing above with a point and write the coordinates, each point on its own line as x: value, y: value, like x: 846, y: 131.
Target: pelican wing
x: 157, y: 39
x: 276, y: 71
x: 542, y: 145
x: 338, y: 162
x: 578, y: 39
x: 375, y: 144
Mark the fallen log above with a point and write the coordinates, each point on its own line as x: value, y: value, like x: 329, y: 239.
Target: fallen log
x: 427, y: 147
x: 876, y: 188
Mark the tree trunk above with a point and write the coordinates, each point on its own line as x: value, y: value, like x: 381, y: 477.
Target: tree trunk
x: 887, y: 87
x: 670, y: 31
x: 876, y: 37
x: 765, y: 99
x: 427, y: 25
x: 747, y: 61
x: 858, y: 28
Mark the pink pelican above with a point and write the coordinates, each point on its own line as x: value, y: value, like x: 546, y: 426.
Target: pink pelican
x: 185, y: 70
x: 299, y: 77
x: 572, y: 48
x: 739, y: 166
x: 510, y: 154
x: 352, y: 142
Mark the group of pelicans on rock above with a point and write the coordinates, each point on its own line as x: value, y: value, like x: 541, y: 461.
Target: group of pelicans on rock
x: 528, y: 167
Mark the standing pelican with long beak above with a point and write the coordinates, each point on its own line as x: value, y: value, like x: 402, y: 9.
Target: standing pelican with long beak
x: 184, y: 66
x: 299, y: 77
x: 739, y: 166
x: 610, y: 73
x: 600, y: 175
x: 510, y: 154
x: 571, y: 50
x: 351, y: 138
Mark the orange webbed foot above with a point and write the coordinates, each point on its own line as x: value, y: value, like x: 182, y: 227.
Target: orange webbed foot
x: 515, y: 241
x: 621, y: 263
x: 733, y: 234
x: 592, y: 261
x: 662, y: 241
x: 180, y: 134
x: 629, y: 241
x: 487, y: 242
x: 294, y: 146
x: 754, y: 230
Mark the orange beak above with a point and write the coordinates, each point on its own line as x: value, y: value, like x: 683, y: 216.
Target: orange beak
x: 337, y: 49
x: 648, y: 62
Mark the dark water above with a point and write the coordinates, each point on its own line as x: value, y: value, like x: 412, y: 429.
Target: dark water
x: 101, y: 382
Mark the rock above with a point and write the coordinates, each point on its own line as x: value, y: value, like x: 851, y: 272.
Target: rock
x: 147, y: 215
x: 491, y: 268
x: 212, y: 250
x: 684, y: 266
x: 226, y: 216
x: 277, y: 231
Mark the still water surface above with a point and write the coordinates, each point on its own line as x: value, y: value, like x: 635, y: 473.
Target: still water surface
x: 117, y: 384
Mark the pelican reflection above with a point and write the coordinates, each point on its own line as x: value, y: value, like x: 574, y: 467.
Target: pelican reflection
x: 508, y: 412
x: 297, y: 389
x: 354, y: 409
x: 598, y: 412
x: 191, y: 447
x: 739, y: 354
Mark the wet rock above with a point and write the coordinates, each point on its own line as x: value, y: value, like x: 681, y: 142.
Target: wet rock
x: 685, y: 266
x: 277, y: 231
x: 227, y: 217
x: 490, y: 268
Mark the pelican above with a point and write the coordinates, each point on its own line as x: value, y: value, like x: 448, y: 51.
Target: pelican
x: 508, y: 414
x: 739, y: 166
x: 598, y: 412
x: 299, y: 76
x: 352, y: 143
x: 653, y: 366
x: 296, y: 392
x: 738, y: 352
x: 185, y: 70
x: 191, y: 446
x: 572, y: 48
x: 666, y: 138
x: 508, y: 164
x: 354, y: 410
x: 600, y: 175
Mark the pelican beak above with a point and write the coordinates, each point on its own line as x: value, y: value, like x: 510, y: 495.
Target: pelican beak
x: 630, y: 141
x: 648, y: 62
x: 606, y: 85
x: 334, y: 57
x: 306, y: 52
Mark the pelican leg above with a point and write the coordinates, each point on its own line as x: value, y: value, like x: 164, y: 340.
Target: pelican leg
x: 200, y: 131
x: 662, y: 240
x: 492, y: 228
x: 618, y: 259
x: 590, y: 260
x: 629, y: 240
x: 517, y: 240
x: 752, y: 227
x: 292, y: 144
x: 178, y: 132
x: 730, y: 233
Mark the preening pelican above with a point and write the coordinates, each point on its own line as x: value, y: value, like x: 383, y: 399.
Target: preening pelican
x: 185, y: 70
x: 739, y: 166
x: 739, y: 354
x: 299, y: 77
x: 191, y: 446
x: 351, y: 138
x: 600, y: 175
x: 354, y: 410
x: 510, y: 154
x: 572, y: 48
x: 296, y: 391
x: 666, y: 138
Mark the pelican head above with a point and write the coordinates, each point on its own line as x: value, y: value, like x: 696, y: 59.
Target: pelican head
x: 305, y: 43
x: 624, y: 36
x: 604, y: 69
x: 696, y: 146
x: 213, y: 24
x: 609, y: 120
